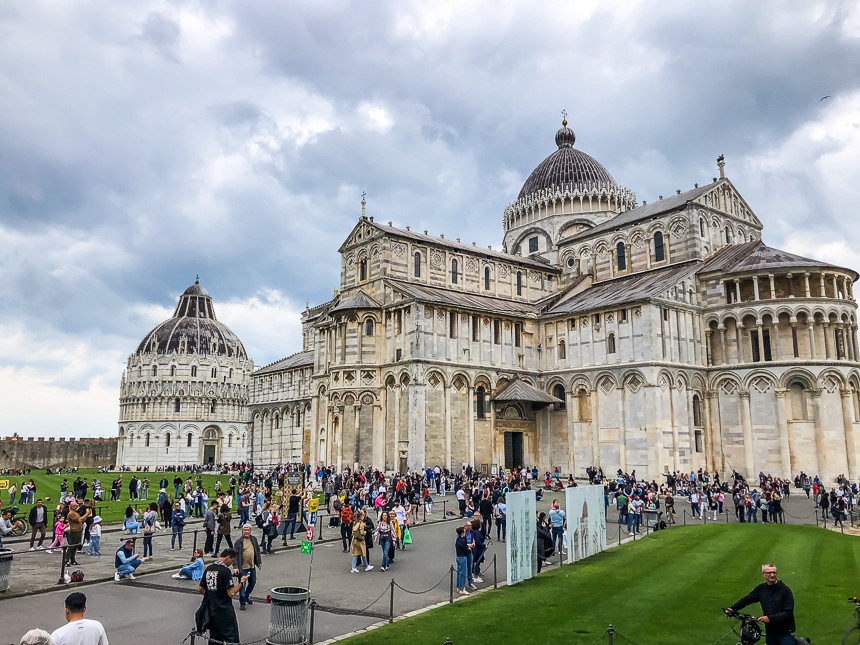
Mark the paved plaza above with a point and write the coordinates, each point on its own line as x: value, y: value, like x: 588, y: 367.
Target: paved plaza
x: 155, y: 608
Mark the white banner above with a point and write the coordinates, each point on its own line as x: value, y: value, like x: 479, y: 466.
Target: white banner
x: 521, y: 545
x: 586, y: 522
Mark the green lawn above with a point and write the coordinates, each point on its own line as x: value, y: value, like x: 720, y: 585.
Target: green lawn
x: 665, y: 589
x: 48, y: 486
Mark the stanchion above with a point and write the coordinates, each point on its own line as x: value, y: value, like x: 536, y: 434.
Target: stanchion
x: 311, y: 626
x: 451, y: 586
x: 495, y: 574
x: 425, y: 511
x: 63, y: 556
x: 727, y: 518
x: 610, y: 633
x: 391, y: 604
x: 685, y: 517
x: 195, y: 539
x: 193, y: 638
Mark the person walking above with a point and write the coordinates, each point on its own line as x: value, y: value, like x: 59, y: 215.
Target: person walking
x: 38, y: 521
x: 79, y: 630
x: 210, y: 525
x: 346, y: 517
x: 216, y: 613
x: 358, y: 548
x: 248, y: 561
x: 225, y: 518
x: 383, y: 538
x: 500, y: 511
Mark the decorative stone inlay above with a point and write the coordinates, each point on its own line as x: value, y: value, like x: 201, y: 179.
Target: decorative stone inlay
x: 762, y: 385
x: 504, y: 271
x: 435, y: 258
x: 398, y: 249
x: 634, y: 383
x: 471, y: 264
x: 606, y: 384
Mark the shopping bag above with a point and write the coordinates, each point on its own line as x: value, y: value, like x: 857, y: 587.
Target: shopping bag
x: 407, y: 536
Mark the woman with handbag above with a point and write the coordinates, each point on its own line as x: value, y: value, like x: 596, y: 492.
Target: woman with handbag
x: 358, y: 548
x: 177, y: 523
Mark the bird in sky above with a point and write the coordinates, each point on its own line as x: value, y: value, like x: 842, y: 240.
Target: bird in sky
x: 823, y: 97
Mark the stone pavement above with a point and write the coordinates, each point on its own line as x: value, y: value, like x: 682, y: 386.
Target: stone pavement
x: 158, y: 609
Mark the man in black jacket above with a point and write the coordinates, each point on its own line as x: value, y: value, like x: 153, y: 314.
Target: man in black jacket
x: 777, y: 604
x: 38, y: 521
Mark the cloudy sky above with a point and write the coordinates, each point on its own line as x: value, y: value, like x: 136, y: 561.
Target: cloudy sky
x: 142, y: 143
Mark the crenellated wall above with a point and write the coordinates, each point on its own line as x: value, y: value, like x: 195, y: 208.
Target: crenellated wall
x: 58, y: 453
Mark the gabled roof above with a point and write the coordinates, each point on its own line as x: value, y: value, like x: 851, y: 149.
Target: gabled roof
x: 635, y: 288
x: 757, y: 256
x: 459, y: 246
x: 674, y: 202
x: 359, y: 300
x: 463, y: 300
x: 520, y: 390
x: 299, y: 359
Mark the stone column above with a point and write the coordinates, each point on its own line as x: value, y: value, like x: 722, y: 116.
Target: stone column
x: 709, y: 358
x: 378, y: 437
x: 571, y: 456
x: 472, y: 421
x: 737, y: 290
x: 823, y: 292
x: 739, y: 338
x: 806, y: 285
x: 315, y: 432
x: 786, y: 441
x: 595, y: 432
x: 854, y: 340
x: 811, y: 331
x: 713, y: 436
x: 449, y: 392
x: 759, y: 331
x: 835, y: 287
x: 770, y: 277
x: 417, y: 425
x: 828, y: 351
x: 398, y: 396
x: 848, y: 429
x: 755, y: 287
x: 722, y: 331
x: 820, y: 456
x: 746, y: 421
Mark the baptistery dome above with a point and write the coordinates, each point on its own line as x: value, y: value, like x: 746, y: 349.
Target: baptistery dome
x: 193, y: 329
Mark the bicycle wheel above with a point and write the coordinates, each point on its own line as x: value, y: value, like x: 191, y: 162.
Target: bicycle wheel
x: 19, y: 527
x: 852, y: 636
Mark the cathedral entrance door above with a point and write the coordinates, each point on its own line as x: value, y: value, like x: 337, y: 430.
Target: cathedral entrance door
x: 208, y: 454
x: 513, y: 449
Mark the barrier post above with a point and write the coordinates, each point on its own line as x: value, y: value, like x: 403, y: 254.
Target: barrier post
x: 311, y: 626
x: 63, y: 555
x: 495, y: 574
x: 391, y: 604
x: 193, y: 638
x: 611, y: 634
x: 451, y: 586
x: 195, y: 539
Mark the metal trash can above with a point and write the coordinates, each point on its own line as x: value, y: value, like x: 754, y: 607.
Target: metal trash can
x: 5, y: 568
x: 653, y: 519
x: 288, y: 622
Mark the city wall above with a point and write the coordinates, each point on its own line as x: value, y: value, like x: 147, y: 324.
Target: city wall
x: 57, y: 453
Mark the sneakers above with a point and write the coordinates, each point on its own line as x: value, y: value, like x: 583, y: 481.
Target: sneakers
x: 176, y: 576
x: 384, y: 569
x: 353, y: 570
x: 249, y: 601
x: 117, y: 577
x: 368, y: 567
x: 32, y: 548
x: 477, y: 579
x: 131, y: 576
x: 39, y: 548
x: 463, y: 592
x: 242, y: 607
x: 49, y: 551
x: 472, y: 585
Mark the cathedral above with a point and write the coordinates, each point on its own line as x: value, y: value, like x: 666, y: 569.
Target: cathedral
x: 654, y: 337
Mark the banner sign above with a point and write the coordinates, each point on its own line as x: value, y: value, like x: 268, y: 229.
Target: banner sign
x: 586, y: 522
x: 313, y: 505
x: 4, y: 484
x: 307, y: 547
x: 521, y: 546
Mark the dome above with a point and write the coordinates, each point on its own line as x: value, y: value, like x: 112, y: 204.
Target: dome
x: 194, y: 329
x: 567, y: 168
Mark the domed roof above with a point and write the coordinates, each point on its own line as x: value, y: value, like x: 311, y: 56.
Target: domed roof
x: 567, y: 168
x: 194, y: 329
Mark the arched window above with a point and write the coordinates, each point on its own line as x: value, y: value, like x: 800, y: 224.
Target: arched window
x: 176, y: 405
x: 173, y: 370
x: 610, y: 344
x: 728, y: 235
x: 480, y: 402
x: 146, y: 443
x: 212, y: 405
x: 659, y: 250
x: 193, y: 370
x: 362, y: 269
x: 798, y: 401
x: 417, y: 264
x: 188, y: 440
x: 562, y: 350
x: 697, y: 411
x: 519, y: 283
x: 454, y: 268
x: 131, y: 441
x: 486, y: 278
x: 140, y: 370
x: 621, y: 256
x: 214, y: 372
x: 230, y: 374
x: 558, y: 392
x: 167, y: 440
x: 155, y: 370
x: 229, y: 441
x: 243, y: 440
x: 368, y: 327
x: 277, y: 421
x: 583, y: 404
x: 702, y: 227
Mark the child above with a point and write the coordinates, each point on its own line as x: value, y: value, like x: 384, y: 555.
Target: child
x: 193, y: 570
x: 59, y: 530
x: 95, y: 536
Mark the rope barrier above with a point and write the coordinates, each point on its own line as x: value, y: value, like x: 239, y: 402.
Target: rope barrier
x: 418, y: 593
x: 624, y: 638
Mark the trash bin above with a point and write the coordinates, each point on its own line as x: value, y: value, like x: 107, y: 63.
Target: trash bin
x: 5, y: 568
x: 653, y: 519
x: 288, y: 622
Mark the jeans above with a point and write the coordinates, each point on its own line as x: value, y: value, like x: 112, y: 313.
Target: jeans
x: 229, y: 540
x: 186, y: 571
x: 248, y: 587
x: 12, y: 499
x: 177, y: 531
x: 558, y: 534
x: 345, y: 535
x: 291, y: 525
x: 470, y: 564
x: 386, y: 545
x: 752, y: 515
x: 210, y: 542
x: 95, y: 545
x: 694, y: 508
x: 501, y: 528
x: 356, y: 561
x: 462, y: 570
x: 41, y: 528
x: 244, y: 515
x: 630, y: 517
x: 147, y: 545
x: 129, y: 567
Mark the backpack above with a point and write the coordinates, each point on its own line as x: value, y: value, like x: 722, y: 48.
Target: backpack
x: 259, y: 521
x: 346, y: 515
